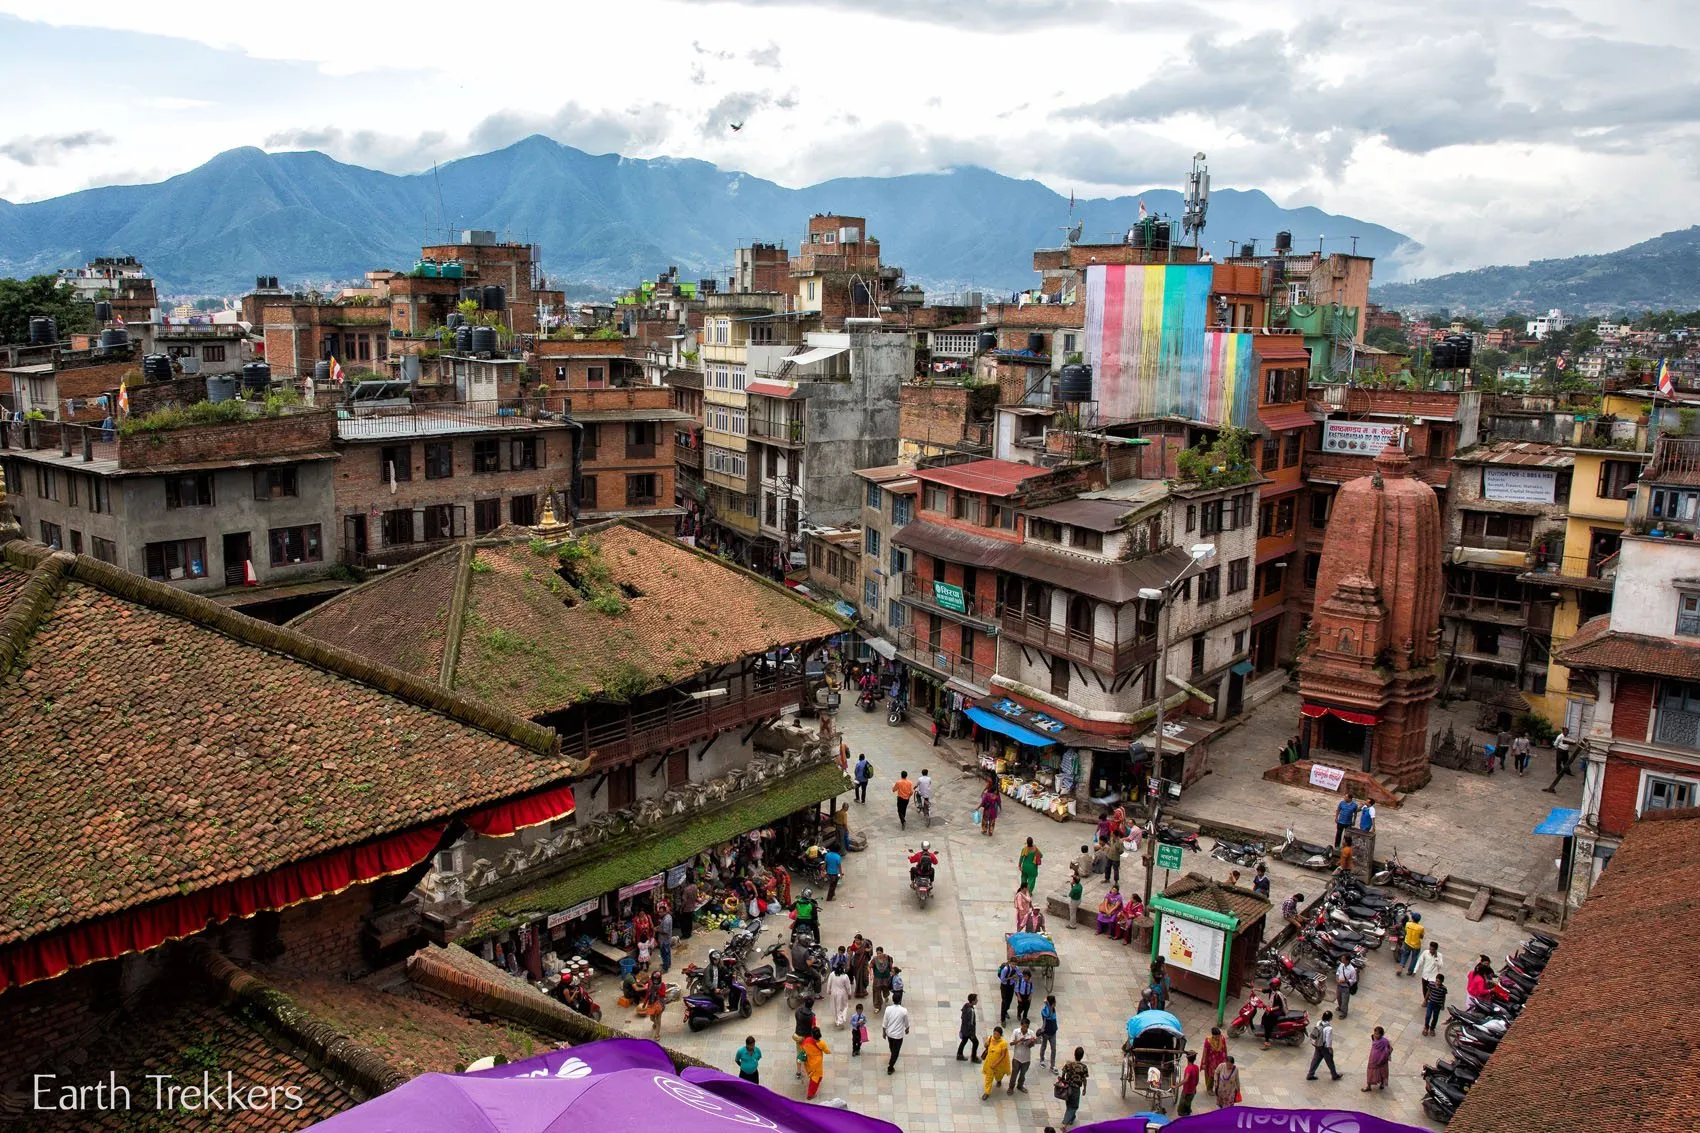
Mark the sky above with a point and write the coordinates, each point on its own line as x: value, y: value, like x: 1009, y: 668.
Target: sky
x: 1491, y: 131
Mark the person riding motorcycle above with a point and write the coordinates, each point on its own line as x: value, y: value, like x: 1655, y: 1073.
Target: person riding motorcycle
x: 922, y: 863
x: 807, y: 912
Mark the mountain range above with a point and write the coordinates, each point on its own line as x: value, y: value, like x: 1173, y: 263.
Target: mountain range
x: 1657, y: 274
x: 602, y: 221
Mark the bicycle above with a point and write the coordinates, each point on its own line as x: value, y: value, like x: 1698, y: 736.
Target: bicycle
x: 925, y: 805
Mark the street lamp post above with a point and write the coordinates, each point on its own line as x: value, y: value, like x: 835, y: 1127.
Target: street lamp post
x: 1200, y: 552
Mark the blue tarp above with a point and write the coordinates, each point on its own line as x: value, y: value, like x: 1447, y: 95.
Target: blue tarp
x: 1146, y: 1020
x: 1243, y: 668
x: 845, y: 609
x: 1016, y: 732
x: 1561, y: 821
x: 1026, y: 943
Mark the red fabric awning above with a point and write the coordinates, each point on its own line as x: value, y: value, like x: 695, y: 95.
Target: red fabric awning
x: 1314, y: 711
x: 532, y: 810
x: 137, y: 930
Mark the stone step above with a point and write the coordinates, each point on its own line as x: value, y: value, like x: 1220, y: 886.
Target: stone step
x: 1478, y: 907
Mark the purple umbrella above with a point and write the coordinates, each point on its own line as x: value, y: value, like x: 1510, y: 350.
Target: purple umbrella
x: 613, y: 1086
x: 1237, y: 1118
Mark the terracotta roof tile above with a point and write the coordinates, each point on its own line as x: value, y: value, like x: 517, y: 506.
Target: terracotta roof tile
x: 150, y: 754
x: 407, y: 630
x: 1596, y: 646
x: 1600, y: 1044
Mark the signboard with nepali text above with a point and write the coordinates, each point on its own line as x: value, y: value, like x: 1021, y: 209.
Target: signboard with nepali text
x: 1326, y: 777
x: 1168, y: 857
x: 948, y: 595
x: 1358, y: 438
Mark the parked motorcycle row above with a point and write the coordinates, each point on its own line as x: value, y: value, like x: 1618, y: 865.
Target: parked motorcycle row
x: 1475, y: 1032
x: 738, y: 978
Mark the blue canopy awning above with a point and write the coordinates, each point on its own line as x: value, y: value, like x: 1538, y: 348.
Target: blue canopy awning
x: 845, y: 609
x: 1561, y: 821
x: 1243, y: 668
x: 996, y: 723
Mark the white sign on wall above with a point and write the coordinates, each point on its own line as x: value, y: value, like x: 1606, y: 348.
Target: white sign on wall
x: 1326, y: 777
x: 1519, y: 485
x: 1195, y: 947
x: 1358, y: 438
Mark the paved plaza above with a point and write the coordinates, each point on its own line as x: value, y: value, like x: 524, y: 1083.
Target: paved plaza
x: 955, y: 945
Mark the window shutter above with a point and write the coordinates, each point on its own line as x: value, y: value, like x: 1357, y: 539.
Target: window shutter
x: 459, y: 522
x: 416, y: 532
x: 262, y: 490
x: 542, y: 454
x: 156, y: 560
x: 516, y: 454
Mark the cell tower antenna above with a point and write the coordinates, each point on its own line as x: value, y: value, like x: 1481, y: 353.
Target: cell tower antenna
x: 1197, y: 199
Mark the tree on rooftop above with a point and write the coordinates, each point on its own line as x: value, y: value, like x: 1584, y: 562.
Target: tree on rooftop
x: 41, y: 295
x: 1225, y: 462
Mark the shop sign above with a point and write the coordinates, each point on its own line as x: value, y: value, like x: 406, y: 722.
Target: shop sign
x: 675, y: 877
x: 1168, y: 857
x: 1358, y: 438
x: 583, y: 908
x: 639, y: 887
x: 1192, y: 946
x: 1519, y: 485
x: 948, y: 596
x: 1328, y: 778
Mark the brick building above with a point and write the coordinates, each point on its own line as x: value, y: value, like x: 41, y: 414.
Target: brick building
x: 487, y: 262
x: 121, y: 281
x: 837, y: 274
x: 300, y: 332
x: 888, y: 505
x: 64, y: 384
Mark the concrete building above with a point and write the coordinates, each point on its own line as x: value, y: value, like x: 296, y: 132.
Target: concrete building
x: 200, y: 344
x: 837, y: 274
x: 65, y: 384
x: 888, y: 506
x: 121, y: 281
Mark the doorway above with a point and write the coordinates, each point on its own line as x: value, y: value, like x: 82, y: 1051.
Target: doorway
x: 238, y: 549
x: 354, y: 534
x: 1236, y: 695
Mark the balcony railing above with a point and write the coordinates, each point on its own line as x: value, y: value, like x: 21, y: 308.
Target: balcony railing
x: 1480, y: 606
x: 922, y: 592
x: 394, y: 555
x: 1104, y: 656
x: 918, y: 649
x: 609, y: 743
x: 785, y: 431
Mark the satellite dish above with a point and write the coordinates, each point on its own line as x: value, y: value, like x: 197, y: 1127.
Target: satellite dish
x: 1074, y: 233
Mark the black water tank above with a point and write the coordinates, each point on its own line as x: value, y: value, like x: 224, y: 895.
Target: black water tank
x: 1283, y: 241
x: 988, y: 340
x: 1074, y: 382
x: 256, y: 377
x: 102, y: 311
x: 1452, y: 352
x: 271, y: 282
x: 1247, y: 251
x: 43, y: 331
x: 483, y: 340
x: 455, y: 319
x: 259, y: 283
x: 474, y: 294
x: 114, y: 336
x: 494, y: 297
x: 322, y: 370
x: 1035, y: 344
x: 157, y: 368
x: 463, y: 339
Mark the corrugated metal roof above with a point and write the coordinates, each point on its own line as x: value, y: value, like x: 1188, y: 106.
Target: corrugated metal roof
x: 1528, y: 453
x: 994, y: 477
x: 1094, y: 515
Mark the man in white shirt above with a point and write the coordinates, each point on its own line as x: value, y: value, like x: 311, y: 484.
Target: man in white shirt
x: 1343, y: 988
x: 895, y: 1025
x: 924, y: 792
x: 1429, y: 965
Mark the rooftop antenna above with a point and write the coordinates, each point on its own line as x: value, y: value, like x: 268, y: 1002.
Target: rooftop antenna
x: 1197, y: 198
x: 1354, y: 245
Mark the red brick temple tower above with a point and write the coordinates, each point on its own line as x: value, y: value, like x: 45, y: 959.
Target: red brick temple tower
x: 1368, y: 673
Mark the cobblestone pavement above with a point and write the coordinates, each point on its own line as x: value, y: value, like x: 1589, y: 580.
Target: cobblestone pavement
x: 954, y: 946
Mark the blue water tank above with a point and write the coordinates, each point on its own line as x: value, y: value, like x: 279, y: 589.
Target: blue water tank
x: 221, y: 387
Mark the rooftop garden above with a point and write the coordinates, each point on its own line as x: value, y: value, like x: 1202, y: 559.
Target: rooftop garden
x: 168, y: 418
x: 1222, y: 464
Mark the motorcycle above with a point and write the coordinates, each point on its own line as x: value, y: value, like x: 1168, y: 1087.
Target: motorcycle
x: 922, y: 883
x: 1185, y: 839
x: 1345, y: 934
x: 1307, y: 854
x: 867, y: 702
x: 1440, y: 1100
x: 711, y: 1007
x: 1290, y: 1028
x: 1460, y: 1072
x: 1422, y: 884
x: 1237, y: 853
x: 1359, y: 918
x: 1481, y: 1037
x: 1360, y: 896
x: 1330, y: 951
x: 894, y: 712
x: 1308, y: 983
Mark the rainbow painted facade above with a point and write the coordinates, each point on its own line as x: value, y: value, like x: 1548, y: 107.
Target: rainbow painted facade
x: 1152, y: 353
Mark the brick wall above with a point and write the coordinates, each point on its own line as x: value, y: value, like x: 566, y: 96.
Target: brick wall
x: 42, y: 1021
x: 1632, y: 707
x: 92, y: 381
x: 361, y: 488
x: 1067, y: 315
x: 932, y: 414
x: 313, y: 430
x: 323, y: 937
x: 1617, y: 796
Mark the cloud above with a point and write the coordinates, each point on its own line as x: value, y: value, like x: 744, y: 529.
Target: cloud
x: 634, y: 131
x: 734, y: 108
x: 765, y: 56
x: 1014, y: 15
x: 47, y: 149
x: 723, y: 56
x: 372, y: 148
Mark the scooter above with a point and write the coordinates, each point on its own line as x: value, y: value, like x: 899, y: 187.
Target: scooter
x: 1237, y: 853
x: 922, y: 884
x: 1482, y: 1037
x: 867, y: 702
x: 1440, y: 1100
x: 1422, y: 884
x: 708, y: 1008
x: 894, y: 712
x: 1289, y: 1028
x: 1307, y: 854
x: 1307, y: 982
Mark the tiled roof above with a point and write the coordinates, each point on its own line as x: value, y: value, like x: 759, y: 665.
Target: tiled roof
x: 409, y: 629
x: 1621, y: 981
x: 158, y: 744
x: 1205, y: 893
x: 529, y: 642
x: 1596, y: 646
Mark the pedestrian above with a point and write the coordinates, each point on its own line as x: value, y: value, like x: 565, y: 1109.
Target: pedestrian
x: 1322, y: 1047
x: 1021, y: 1056
x: 1502, y: 746
x: 1380, y: 1054
x: 1073, y: 1077
x: 804, y: 1021
x: 748, y: 1058
x: 994, y: 1068
x: 1343, y: 988
x: 882, y: 966
x: 1024, y: 996
x: 1160, y: 986
x: 834, y: 869
x: 688, y: 898
x: 895, y: 1025
x: 655, y: 1005
x: 643, y: 954
x: 1007, y: 975
x: 1189, y: 1084
x: 1031, y: 860
x: 1290, y: 911
x: 1226, y: 1084
x: 990, y: 800
x: 1215, y: 1053
x: 1345, y: 858
x: 840, y: 961
x: 1520, y: 752
x: 838, y: 990
x: 1429, y: 965
x: 904, y: 789
x: 1076, y: 890
x: 1023, y: 909
x: 814, y: 1060
x: 1048, y: 1029
x: 1233, y: 879
x: 1413, y: 944
x: 1563, y: 749
x: 1433, y: 1003
x: 858, y: 1031
x: 968, y: 1033
x: 1366, y: 816
x: 1084, y: 864
x: 664, y: 936
x: 1344, y: 815
x: 859, y: 964
x: 864, y: 772
x: 1260, y: 881
x: 938, y: 727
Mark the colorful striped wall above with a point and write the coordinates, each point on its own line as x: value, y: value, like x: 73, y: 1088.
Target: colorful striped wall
x: 1151, y: 353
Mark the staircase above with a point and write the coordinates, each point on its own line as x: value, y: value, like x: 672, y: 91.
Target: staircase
x: 1380, y: 787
